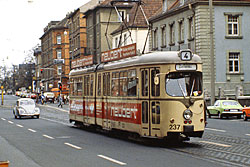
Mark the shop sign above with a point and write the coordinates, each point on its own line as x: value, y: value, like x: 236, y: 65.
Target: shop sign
x: 81, y: 62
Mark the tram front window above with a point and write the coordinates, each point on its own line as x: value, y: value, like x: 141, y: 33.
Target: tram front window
x: 179, y: 84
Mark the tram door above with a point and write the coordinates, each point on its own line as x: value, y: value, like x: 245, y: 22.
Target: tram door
x: 106, y: 93
x: 150, y: 107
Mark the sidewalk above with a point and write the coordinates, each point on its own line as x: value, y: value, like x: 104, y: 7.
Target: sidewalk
x: 65, y: 107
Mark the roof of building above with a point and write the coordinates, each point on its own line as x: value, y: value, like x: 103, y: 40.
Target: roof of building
x: 176, y: 5
x: 107, y: 4
x: 136, y: 17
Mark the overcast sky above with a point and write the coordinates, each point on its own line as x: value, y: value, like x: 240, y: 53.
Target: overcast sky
x: 23, y: 21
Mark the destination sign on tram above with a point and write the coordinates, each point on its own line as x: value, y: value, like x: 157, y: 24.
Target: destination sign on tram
x: 186, y: 67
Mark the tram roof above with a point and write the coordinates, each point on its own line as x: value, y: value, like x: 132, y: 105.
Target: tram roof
x: 153, y: 58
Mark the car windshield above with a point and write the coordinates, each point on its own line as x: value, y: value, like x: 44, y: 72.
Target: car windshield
x: 184, y: 84
x: 230, y: 103
x: 27, y: 102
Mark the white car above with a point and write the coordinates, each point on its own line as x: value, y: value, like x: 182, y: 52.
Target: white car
x: 26, y: 107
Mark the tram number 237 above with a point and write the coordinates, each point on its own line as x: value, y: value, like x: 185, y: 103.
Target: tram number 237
x: 174, y: 127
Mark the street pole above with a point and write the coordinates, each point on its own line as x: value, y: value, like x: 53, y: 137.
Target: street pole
x: 2, y: 94
x: 212, y: 53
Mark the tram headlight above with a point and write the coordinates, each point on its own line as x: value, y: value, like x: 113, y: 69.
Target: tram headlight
x: 187, y: 114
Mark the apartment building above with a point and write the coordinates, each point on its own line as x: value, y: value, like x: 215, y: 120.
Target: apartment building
x: 185, y: 24
x: 55, y: 46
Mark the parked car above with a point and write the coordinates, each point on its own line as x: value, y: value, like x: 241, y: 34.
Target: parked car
x: 246, y: 113
x: 26, y: 107
x: 49, y: 97
x: 226, y: 108
x: 33, y: 96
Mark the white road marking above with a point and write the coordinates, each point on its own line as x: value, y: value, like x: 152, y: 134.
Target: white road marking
x: 3, y: 119
x: 217, y: 130
x: 32, y: 130
x: 49, y: 137
x: 21, y: 126
x: 248, y: 134
x: 217, y: 144
x: 74, y: 146
x: 112, y: 160
x: 234, y: 120
x: 11, y: 122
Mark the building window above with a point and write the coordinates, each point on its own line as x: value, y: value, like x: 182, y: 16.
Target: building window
x: 59, y: 70
x: 121, y: 16
x: 171, y: 34
x: 234, y: 62
x: 165, y: 5
x: 181, y: 31
x: 233, y: 25
x: 155, y: 39
x: 59, y: 54
x: 125, y: 39
x: 163, y: 36
x: 191, y: 28
x: 116, y: 42
x: 58, y: 39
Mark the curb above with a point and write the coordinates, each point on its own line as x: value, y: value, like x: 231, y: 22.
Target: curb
x: 53, y: 108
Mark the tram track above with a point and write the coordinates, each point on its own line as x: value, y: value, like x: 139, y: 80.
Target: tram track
x: 238, y: 154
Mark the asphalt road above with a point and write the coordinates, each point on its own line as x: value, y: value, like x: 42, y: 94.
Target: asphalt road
x: 52, y: 142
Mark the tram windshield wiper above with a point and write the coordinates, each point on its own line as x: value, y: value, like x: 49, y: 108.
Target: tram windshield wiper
x: 192, y: 89
x: 182, y: 91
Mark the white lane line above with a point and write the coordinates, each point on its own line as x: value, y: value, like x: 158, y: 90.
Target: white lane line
x: 74, y: 146
x: 112, y: 160
x: 21, y: 126
x: 49, y: 137
x: 248, y: 134
x: 217, y: 144
x: 217, y: 130
x: 234, y: 120
x: 11, y: 122
x: 32, y: 130
x: 3, y: 119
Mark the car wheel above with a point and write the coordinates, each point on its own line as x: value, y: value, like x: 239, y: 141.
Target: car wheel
x: 244, y: 117
x: 15, y: 116
x: 209, y: 115
x: 37, y: 116
x: 220, y: 115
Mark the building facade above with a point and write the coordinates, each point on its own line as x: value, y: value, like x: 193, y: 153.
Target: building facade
x: 185, y: 24
x: 55, y: 45
x: 102, y: 20
x: 135, y: 28
x: 38, y: 64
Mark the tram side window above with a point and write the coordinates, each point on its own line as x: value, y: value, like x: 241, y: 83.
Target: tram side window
x: 123, y: 83
x: 79, y: 86
x: 132, y: 83
x: 144, y: 76
x: 144, y: 112
x: 115, y: 84
x: 75, y: 87
x: 156, y: 112
x: 86, y: 85
x: 106, y: 84
x: 99, y: 85
x: 155, y: 88
x: 71, y: 86
x: 91, y: 85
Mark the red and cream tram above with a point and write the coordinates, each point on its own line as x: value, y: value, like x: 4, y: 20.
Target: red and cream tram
x: 155, y: 95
